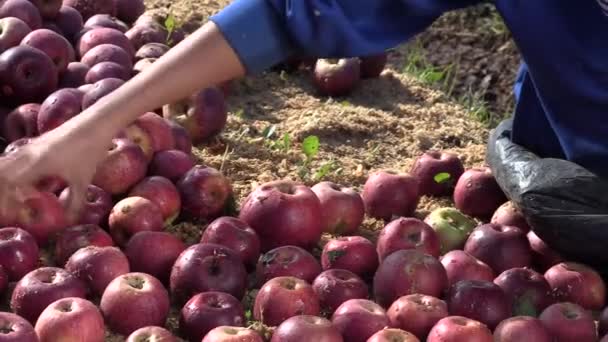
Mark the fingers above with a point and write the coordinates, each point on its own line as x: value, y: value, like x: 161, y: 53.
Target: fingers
x: 75, y: 201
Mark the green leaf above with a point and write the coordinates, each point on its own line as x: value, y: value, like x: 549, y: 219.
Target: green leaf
x: 286, y: 142
x: 324, y: 170
x: 170, y: 23
x: 442, y: 177
x: 310, y: 146
x: 240, y: 113
x: 269, y: 131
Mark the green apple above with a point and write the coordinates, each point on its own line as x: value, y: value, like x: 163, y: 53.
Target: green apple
x: 452, y: 226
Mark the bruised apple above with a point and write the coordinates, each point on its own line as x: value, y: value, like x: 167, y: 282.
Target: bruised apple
x: 336, y: 286
x: 460, y: 265
x: 205, y: 193
x: 521, y: 328
x: 306, y: 327
x: 501, y: 247
x: 477, y: 193
x: 387, y: 194
x: 342, y: 208
x: 567, y: 322
x: 527, y: 289
x: 354, y: 253
x: 459, y: 329
x: 407, y: 233
x: 417, y: 313
x: 236, y: 235
x: 208, y: 310
x: 438, y: 172
x: 508, y: 215
x: 287, y: 261
x: 480, y: 300
x: 232, y: 334
x: 359, y: 319
x: 132, y: 215
x: 577, y: 283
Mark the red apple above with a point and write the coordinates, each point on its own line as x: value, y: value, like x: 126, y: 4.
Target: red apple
x: 407, y: 233
x: 89, y: 8
x: 577, y: 283
x: 407, y: 272
x: 501, y: 247
x: 103, y: 70
x: 342, y: 208
x: 337, y: 77
x: 71, y: 319
x: 205, y: 193
x: 58, y: 108
x: 22, y: 9
x: 14, y: 328
x: 123, y: 167
x: 521, y: 328
x: 354, y: 253
x: 52, y: 26
x: 480, y: 300
x: 151, y: 333
x: 18, y: 252
x: 387, y: 194
x: 54, y: 45
x: 74, y: 238
x: 3, y: 280
x: 97, y: 205
x: 99, y: 90
x: 171, y: 164
x: 529, y: 291
x: 373, y: 65
x: 161, y: 192
x: 287, y: 261
x: 283, y: 213
x: 12, y: 32
x: 41, y: 287
x: 183, y: 142
x: 97, y: 266
x: 107, y: 53
x: 132, y: 215
x: 306, y: 328
x: 236, y: 235
x: 232, y: 334
x: 543, y: 257
x: 208, y: 267
x: 103, y: 35
x: 70, y: 21
x: 477, y: 193
x: 438, y: 172
x: 568, y: 322
x: 129, y: 10
x: 106, y: 20
x: 154, y: 253
x: 417, y: 314
x: 508, y: 215
x: 336, y: 286
x: 283, y: 297
x: 21, y: 123
x: 393, y: 335
x: 152, y: 133
x: 73, y: 76
x: 359, y: 319
x: 133, y: 301
x: 41, y: 215
x: 141, y: 34
x: 452, y: 227
x: 460, y: 265
x: 208, y: 310
x: 459, y: 329
x: 151, y: 50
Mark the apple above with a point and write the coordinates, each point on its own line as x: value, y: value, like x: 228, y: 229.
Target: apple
x: 236, y: 235
x: 143, y: 64
x: 54, y: 45
x: 89, y: 8
x: 417, y: 313
x: 72, y: 318
x: 151, y: 50
x: 129, y: 10
x: 107, y: 53
x: 208, y: 310
x: 142, y: 34
x: 528, y: 290
x: 41, y: 215
x: 14, y: 328
x: 452, y: 227
x: 99, y: 90
x: 58, y: 108
x: 577, y: 283
x: 18, y: 252
x: 359, y: 319
x: 521, y: 328
x: 460, y: 265
x: 336, y: 286
x: 154, y: 253
x: 48, y: 8
x: 74, y: 238
x: 567, y: 321
x: 387, y: 194
x: 508, y: 215
x: 103, y: 35
x: 437, y: 172
x: 477, y: 193
x: 480, y: 300
x: 69, y: 21
x: 283, y: 213
x: 22, y: 9
x: 12, y: 32
x: 342, y: 208
x: 373, y: 65
x: 73, y: 76
x: 97, y: 266
x: 408, y: 271
x: 287, y: 261
x: 459, y: 329
x: 124, y: 166
x: 336, y: 77
x: 41, y: 287
x: 283, y: 297
x: 103, y: 70
x: 501, y: 247
x: 203, y: 115
x: 106, y: 20
x: 392, y: 335
x: 152, y: 133
x: 26, y: 75
x: 131, y: 215
x: 205, y: 193
x: 97, y: 205
x: 134, y: 300
x: 306, y: 328
x: 354, y: 253
x: 151, y: 333
x: 161, y: 192
x: 232, y: 334
x: 3, y: 280
x: 407, y: 233
x: 181, y: 137
x: 52, y: 26
x: 171, y: 164
x: 543, y: 257
x: 208, y: 267
x: 21, y: 123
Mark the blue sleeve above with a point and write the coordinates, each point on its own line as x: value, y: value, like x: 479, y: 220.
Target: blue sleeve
x: 266, y: 32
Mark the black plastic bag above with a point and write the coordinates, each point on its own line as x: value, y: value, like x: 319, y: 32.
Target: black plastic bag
x: 565, y: 204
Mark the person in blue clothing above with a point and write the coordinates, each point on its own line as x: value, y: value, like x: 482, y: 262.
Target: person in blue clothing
x: 561, y: 91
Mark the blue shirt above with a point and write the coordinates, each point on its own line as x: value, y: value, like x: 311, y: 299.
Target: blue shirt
x: 562, y: 89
